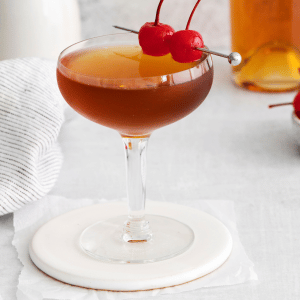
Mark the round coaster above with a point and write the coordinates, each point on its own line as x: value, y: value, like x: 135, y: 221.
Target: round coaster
x: 55, y: 250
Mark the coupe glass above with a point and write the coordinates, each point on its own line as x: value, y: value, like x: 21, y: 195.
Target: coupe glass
x: 135, y: 107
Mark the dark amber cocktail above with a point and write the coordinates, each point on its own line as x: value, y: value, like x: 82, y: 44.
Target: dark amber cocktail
x: 131, y: 92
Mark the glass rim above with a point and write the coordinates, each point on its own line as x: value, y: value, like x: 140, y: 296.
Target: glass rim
x: 206, y: 59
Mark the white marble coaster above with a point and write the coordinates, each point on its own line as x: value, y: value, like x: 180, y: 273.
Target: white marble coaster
x: 55, y: 250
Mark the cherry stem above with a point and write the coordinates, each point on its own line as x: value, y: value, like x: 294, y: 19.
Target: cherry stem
x: 280, y: 104
x: 158, y: 12
x: 191, y: 15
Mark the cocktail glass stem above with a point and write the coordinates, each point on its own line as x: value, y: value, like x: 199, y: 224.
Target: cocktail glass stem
x: 136, y: 228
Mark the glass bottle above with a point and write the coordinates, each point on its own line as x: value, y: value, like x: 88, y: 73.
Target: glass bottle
x: 40, y: 28
x: 267, y: 35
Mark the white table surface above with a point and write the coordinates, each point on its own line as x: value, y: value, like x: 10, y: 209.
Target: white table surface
x: 232, y: 147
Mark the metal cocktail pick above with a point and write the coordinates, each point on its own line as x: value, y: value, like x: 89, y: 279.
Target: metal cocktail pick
x: 234, y: 58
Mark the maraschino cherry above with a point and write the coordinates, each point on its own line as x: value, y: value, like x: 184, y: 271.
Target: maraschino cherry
x: 184, y: 43
x: 154, y: 37
x: 295, y: 103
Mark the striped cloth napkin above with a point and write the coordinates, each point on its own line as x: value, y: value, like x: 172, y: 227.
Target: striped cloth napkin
x: 31, y: 115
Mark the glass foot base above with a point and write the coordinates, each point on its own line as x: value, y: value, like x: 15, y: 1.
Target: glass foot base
x: 104, y: 241
x: 55, y: 249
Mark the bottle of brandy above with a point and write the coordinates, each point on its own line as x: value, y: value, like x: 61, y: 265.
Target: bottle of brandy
x: 267, y: 35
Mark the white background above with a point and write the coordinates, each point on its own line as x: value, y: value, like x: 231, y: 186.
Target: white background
x: 233, y: 147
x: 211, y: 18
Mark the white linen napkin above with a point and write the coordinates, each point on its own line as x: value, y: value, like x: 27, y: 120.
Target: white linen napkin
x: 35, y: 285
x: 31, y: 114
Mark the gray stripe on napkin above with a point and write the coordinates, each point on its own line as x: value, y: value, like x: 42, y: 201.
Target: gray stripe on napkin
x: 31, y: 115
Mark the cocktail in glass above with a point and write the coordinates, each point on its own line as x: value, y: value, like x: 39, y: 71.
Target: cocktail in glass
x: 111, y: 82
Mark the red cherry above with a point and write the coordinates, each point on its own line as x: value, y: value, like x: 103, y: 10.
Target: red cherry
x: 154, y: 37
x: 295, y: 103
x: 184, y: 43
x: 183, y: 46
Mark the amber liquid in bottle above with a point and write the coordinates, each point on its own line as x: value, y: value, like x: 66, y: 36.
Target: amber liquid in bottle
x: 267, y: 35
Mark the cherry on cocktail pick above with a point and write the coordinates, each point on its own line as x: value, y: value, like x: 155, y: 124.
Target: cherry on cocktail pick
x: 233, y: 58
x: 154, y: 37
x: 184, y: 43
x: 295, y: 103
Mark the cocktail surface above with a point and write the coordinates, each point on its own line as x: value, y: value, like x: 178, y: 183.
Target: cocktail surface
x: 133, y: 93
x: 122, y: 62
